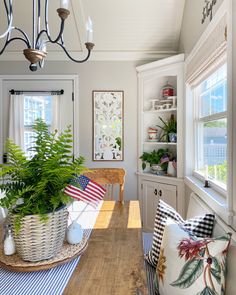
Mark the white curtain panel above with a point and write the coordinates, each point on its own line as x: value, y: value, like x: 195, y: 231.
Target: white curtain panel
x: 56, y: 113
x: 16, y: 119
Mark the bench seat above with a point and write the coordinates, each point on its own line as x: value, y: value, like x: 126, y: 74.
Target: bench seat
x: 198, y: 207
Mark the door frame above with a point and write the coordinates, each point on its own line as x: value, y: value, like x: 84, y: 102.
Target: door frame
x: 75, y: 90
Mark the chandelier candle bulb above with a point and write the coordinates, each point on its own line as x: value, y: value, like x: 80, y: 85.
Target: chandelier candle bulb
x: 64, y: 4
x: 89, y: 27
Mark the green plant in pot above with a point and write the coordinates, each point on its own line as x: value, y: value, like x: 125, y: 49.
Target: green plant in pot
x: 169, y: 129
x: 158, y: 160
x: 34, y: 191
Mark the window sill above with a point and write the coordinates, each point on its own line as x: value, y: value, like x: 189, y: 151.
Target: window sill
x: 214, y: 200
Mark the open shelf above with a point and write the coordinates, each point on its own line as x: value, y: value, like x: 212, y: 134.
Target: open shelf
x: 160, y: 176
x: 160, y: 111
x: 159, y: 143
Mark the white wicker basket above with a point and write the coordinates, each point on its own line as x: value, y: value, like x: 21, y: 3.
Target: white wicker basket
x: 38, y: 240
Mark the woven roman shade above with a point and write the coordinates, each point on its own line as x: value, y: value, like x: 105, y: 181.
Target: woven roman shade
x: 209, y: 55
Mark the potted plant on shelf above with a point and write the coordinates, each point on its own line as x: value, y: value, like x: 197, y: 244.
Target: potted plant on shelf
x: 169, y: 129
x: 34, y: 191
x: 158, y: 160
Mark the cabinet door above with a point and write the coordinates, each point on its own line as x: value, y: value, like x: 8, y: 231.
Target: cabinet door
x: 149, y: 203
x: 152, y: 192
x: 168, y: 194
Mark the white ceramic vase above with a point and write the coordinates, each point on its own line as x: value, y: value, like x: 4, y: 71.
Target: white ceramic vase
x: 171, y: 170
x: 74, y: 233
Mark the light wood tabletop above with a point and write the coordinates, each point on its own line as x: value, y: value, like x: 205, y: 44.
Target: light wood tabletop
x: 113, y: 262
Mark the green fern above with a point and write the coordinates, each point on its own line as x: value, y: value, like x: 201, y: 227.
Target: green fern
x: 38, y: 182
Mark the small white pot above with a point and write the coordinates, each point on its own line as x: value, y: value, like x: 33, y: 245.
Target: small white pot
x: 171, y: 170
x: 74, y: 233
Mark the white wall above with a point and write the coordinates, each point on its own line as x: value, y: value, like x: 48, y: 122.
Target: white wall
x: 192, y: 28
x: 98, y: 76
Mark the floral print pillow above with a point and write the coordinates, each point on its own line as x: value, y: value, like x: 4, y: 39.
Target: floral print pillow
x: 189, y: 265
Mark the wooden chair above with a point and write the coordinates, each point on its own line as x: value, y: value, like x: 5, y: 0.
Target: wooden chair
x: 109, y: 177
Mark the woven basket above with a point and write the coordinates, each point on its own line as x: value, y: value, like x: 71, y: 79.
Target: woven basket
x: 38, y: 240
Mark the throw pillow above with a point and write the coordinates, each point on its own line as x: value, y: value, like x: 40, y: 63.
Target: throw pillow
x: 200, y: 226
x: 190, y: 265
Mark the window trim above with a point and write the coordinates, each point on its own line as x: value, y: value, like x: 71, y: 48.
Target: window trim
x: 228, y: 212
x: 198, y: 119
x: 214, y: 199
x: 212, y: 184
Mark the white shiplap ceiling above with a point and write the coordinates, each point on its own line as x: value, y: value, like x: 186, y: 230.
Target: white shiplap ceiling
x: 123, y: 29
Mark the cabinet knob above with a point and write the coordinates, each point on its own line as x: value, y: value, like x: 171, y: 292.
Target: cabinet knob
x: 156, y: 192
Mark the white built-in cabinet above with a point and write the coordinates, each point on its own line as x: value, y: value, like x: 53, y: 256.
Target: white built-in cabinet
x: 151, y: 193
x: 151, y: 187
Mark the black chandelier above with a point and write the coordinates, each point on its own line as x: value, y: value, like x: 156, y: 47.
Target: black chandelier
x: 36, y: 49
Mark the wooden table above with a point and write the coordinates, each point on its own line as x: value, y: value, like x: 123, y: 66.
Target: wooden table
x: 113, y: 262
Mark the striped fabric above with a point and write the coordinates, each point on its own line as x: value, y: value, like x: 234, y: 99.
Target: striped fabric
x: 51, y: 281
x: 200, y: 226
x: 150, y: 271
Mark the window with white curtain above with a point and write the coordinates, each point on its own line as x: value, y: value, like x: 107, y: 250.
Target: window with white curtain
x: 35, y: 107
x: 25, y: 109
x: 210, y: 127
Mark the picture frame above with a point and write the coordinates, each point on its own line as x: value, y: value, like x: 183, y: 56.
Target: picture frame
x: 108, y: 125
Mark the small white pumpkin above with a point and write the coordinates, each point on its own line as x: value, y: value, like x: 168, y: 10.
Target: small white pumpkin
x: 74, y: 233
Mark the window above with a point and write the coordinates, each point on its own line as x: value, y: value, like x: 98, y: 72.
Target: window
x: 35, y: 107
x: 211, y: 127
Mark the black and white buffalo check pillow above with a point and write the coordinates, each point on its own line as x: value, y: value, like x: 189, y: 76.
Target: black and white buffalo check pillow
x: 199, y: 226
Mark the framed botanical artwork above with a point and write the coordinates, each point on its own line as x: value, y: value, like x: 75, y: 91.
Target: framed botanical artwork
x: 108, y: 125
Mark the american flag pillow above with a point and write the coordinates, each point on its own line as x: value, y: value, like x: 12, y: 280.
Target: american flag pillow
x: 86, y: 190
x: 199, y: 226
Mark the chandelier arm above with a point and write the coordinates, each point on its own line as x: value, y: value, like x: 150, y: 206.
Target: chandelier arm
x: 25, y: 35
x: 39, y: 18
x: 38, y: 38
x: 10, y: 40
x: 9, y: 13
x: 10, y: 28
x: 9, y: 18
x: 71, y: 58
x: 60, y: 33
x: 34, y: 25
x: 62, y: 40
x: 47, y: 26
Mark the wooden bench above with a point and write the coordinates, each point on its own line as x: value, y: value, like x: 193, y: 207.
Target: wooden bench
x: 198, y: 207
x: 109, y: 177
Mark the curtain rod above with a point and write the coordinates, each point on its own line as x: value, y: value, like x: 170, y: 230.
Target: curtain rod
x: 12, y: 91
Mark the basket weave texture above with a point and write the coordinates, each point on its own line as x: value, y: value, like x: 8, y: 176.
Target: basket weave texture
x: 38, y: 240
